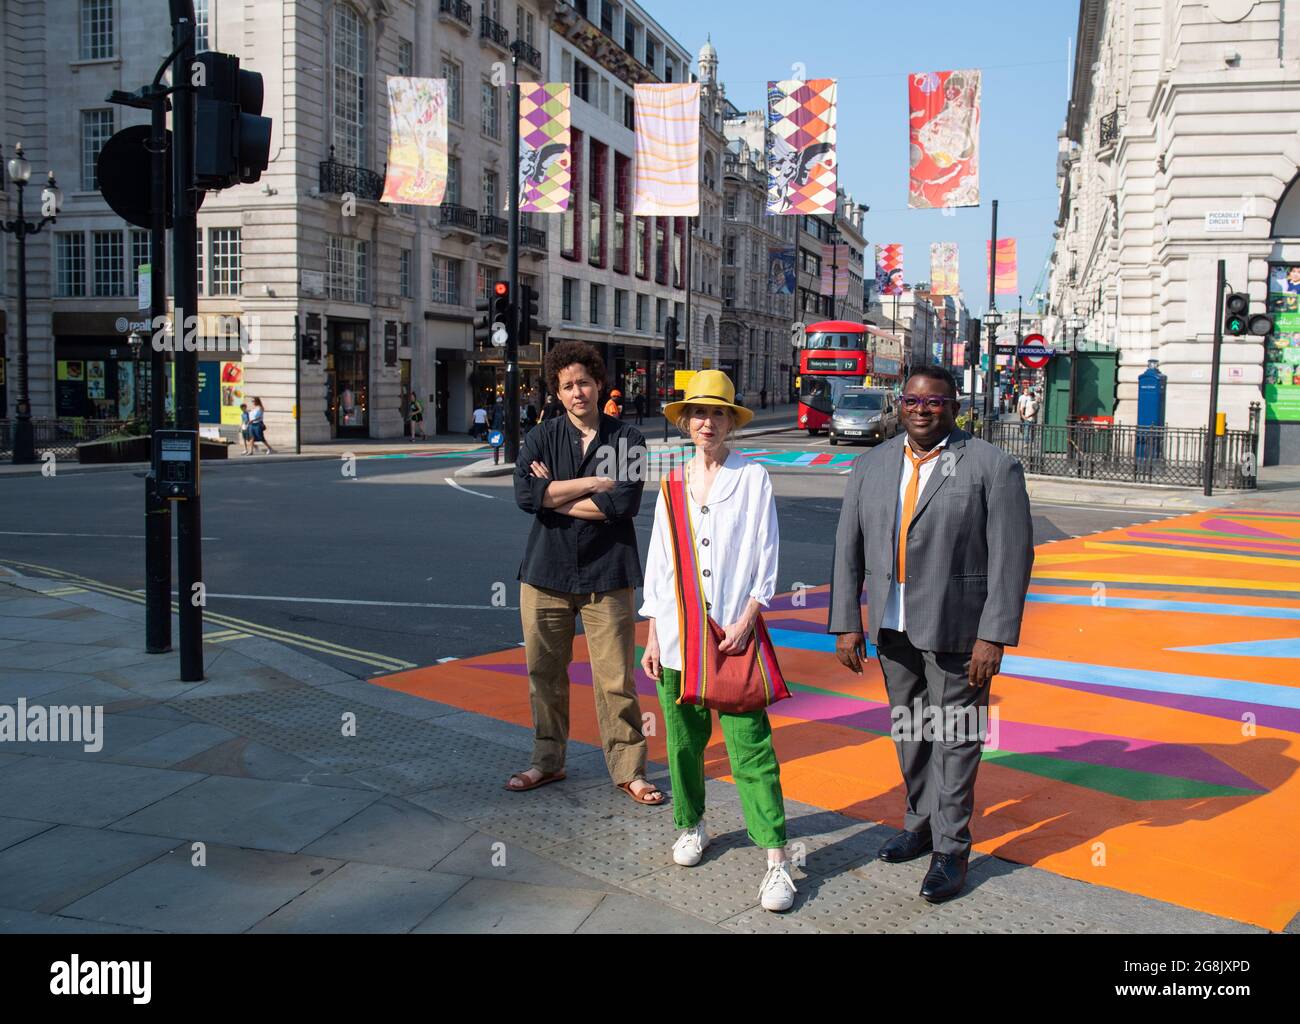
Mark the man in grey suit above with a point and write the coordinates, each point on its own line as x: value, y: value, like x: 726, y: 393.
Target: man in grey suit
x: 937, y: 525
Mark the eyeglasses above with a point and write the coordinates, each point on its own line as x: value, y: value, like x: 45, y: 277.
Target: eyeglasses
x: 934, y: 402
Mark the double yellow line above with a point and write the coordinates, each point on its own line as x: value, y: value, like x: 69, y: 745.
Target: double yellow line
x: 237, y: 629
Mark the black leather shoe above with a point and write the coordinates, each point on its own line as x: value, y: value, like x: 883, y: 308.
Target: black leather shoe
x: 906, y: 846
x: 946, y: 877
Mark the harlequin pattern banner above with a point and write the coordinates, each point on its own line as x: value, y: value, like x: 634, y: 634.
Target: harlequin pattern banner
x: 545, y: 160
x: 781, y: 274
x: 801, y: 159
x: 667, y: 182
x: 889, y: 268
x: 835, y: 258
x: 944, y: 117
x: 1006, y: 272
x: 417, y: 141
x: 943, y: 268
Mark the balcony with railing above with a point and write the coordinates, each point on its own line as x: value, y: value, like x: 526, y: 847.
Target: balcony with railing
x: 532, y: 238
x: 493, y: 228
x: 461, y: 218
x: 1109, y: 133
x: 456, y: 11
x: 339, y: 178
x: 493, y: 32
x: 528, y: 54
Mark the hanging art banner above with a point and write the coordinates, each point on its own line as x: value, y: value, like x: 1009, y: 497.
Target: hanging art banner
x: 1006, y: 271
x: 667, y: 182
x: 781, y: 274
x: 801, y: 158
x: 889, y: 269
x: 545, y: 161
x: 417, y: 141
x: 944, y: 118
x: 943, y: 269
x: 835, y: 258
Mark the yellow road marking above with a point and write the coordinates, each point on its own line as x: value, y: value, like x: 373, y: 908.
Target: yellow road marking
x: 1212, y: 556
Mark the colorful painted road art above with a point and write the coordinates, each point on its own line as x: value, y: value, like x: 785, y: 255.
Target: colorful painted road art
x: 1147, y: 735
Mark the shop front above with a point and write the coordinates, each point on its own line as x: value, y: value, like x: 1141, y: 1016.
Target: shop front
x: 347, y: 373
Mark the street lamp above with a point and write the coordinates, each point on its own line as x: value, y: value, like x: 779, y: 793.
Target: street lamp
x: 20, y: 172
x: 1075, y: 324
x: 991, y: 322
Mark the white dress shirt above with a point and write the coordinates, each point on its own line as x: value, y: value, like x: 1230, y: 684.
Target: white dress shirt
x: 895, y: 615
x: 736, y: 546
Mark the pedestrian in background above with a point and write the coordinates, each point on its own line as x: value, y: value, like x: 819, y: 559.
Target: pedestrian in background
x: 257, y: 426
x: 638, y: 403
x: 762, y: 396
x: 416, y: 413
x: 245, y: 433
x: 614, y: 407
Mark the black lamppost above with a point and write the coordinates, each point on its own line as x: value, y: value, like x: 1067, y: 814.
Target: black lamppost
x: 1075, y: 324
x: 20, y: 172
x: 137, y: 343
x: 992, y: 320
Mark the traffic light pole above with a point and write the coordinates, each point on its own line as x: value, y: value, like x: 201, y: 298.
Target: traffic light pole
x: 189, y: 560
x: 513, y: 318
x: 157, y: 510
x: 1210, y: 436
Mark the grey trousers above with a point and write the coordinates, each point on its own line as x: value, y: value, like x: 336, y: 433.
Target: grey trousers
x: 939, y: 764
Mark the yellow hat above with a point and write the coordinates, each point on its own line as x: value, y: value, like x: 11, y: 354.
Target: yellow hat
x: 710, y: 387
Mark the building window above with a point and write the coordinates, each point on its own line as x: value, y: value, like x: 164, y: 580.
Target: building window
x: 451, y: 72
x: 445, y: 280
x: 729, y: 248
x: 629, y: 35
x: 405, y: 58
x: 490, y: 193
x: 597, y: 301
x: 96, y: 129
x: 669, y: 70
x: 661, y: 313
x: 568, y: 289
x: 622, y: 190
x: 607, y: 18
x: 731, y: 207
x: 642, y: 302
x: 629, y: 113
x: 452, y: 195
x: 598, y: 161
x: 491, y: 120
x: 404, y: 273
x: 485, y: 276
x: 348, y: 276
x: 524, y: 25
x: 571, y: 219
x: 109, y: 263
x: 140, y: 253
x: 224, y: 244
x: 620, y: 307
x: 70, y: 258
x: 202, y: 30
x: 661, y: 252
x: 349, y: 85
x: 642, y: 248
x: 96, y: 29
x: 582, y: 81
x: 651, y: 49
x: 679, y: 251
x: 198, y: 258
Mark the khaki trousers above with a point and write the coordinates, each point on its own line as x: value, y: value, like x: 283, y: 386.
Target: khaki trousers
x: 608, y: 621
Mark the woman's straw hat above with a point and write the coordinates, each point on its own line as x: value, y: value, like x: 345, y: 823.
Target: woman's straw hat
x: 710, y: 387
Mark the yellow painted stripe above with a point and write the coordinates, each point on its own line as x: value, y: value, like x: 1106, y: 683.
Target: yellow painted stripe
x: 1065, y: 559
x: 1213, y: 556
x: 223, y: 639
x: 1225, y: 583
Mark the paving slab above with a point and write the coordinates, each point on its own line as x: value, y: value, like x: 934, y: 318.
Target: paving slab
x: 15, y: 830
x: 247, y: 759
x: 391, y: 700
x: 117, y: 733
x: 485, y: 855
x: 182, y: 742
x: 98, y: 659
x: 365, y: 899
x: 280, y: 816
x: 33, y: 683
x: 632, y: 915
x: 395, y: 833
x: 88, y: 793
x: 39, y: 653
x: 25, y: 922
x: 488, y: 906
x: 58, y: 866
x: 231, y: 893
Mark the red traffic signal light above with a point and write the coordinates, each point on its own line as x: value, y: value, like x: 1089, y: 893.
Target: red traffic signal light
x: 501, y: 288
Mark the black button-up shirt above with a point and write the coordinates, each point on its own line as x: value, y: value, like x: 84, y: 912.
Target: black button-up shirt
x: 582, y: 556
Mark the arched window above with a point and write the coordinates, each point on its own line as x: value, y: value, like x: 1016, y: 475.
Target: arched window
x: 349, y: 128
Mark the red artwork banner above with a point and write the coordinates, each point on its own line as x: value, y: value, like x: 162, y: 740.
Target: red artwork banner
x: 1006, y: 279
x: 944, y: 119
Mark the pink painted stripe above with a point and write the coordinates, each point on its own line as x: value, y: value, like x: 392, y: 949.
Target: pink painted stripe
x: 1228, y: 526
x: 1189, y: 541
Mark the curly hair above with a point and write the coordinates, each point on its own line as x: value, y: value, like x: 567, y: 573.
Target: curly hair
x: 565, y: 354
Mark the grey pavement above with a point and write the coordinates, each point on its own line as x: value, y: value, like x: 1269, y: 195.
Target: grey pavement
x: 281, y: 795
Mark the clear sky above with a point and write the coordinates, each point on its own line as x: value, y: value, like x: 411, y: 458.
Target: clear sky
x: 871, y: 48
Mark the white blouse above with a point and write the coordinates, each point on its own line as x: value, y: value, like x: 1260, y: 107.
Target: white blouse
x: 736, y: 545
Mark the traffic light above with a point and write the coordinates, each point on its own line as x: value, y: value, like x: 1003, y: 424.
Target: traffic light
x: 527, y: 313
x: 232, y: 140
x: 501, y: 303
x: 483, y: 322
x: 670, y: 330
x: 1238, y: 309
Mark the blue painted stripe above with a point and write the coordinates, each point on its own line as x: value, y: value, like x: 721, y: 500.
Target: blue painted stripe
x: 1288, y: 647
x: 1247, y: 611
x: 1103, y: 675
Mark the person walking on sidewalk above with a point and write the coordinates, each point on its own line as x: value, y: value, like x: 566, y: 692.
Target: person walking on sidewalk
x: 1027, y: 409
x: 937, y: 524
x: 415, y: 411
x: 245, y: 431
x: 581, y: 559
x: 257, y: 426
x: 721, y: 529
x: 480, y: 424
x: 638, y: 403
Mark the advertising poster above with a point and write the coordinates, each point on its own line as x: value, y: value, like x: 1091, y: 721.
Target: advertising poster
x: 209, y: 393
x: 1282, y: 347
x: 70, y: 388
x: 95, y: 379
x: 125, y: 390
x: 232, y: 391
x: 781, y: 273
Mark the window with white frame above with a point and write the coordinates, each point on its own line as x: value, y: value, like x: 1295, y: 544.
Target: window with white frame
x: 198, y: 257
x: 597, y: 301
x: 445, y: 280
x: 349, y: 123
x: 452, y: 73
x: 70, y: 262
x: 491, y: 119
x: 405, y: 58
x: 224, y: 256
x: 109, y: 263
x: 661, y: 314
x: 202, y: 23
x: 452, y: 194
x: 524, y: 24
x: 490, y: 193
x: 347, y: 269
x: 140, y: 253
x: 485, y: 277
x: 96, y: 129
x: 620, y: 307
x: 96, y: 29
x: 568, y: 297
x: 642, y: 305
x: 404, y: 273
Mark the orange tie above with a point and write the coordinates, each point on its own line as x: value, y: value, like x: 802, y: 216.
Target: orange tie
x: 909, y: 503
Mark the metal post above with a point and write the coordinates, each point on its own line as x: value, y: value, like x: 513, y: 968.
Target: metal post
x: 690, y: 230
x: 512, y: 335
x: 1214, y: 380
x: 189, y: 555
x: 24, y: 438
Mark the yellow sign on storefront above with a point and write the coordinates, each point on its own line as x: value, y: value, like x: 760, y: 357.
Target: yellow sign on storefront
x: 682, y: 379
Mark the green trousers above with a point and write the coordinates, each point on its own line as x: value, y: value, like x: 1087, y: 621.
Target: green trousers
x: 753, y: 763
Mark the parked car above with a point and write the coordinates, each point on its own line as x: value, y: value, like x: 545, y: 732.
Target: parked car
x: 864, y: 415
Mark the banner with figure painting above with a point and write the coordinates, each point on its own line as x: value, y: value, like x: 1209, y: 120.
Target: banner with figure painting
x: 801, y: 160
x: 944, y: 121
x: 667, y: 118
x: 781, y: 274
x: 417, y: 141
x: 545, y: 161
x: 943, y: 269
x: 889, y: 269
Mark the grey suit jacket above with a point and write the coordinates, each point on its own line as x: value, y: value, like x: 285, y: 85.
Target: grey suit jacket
x: 970, y: 547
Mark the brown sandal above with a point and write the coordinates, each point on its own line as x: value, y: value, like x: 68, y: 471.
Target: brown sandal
x: 546, y: 777
x: 653, y: 791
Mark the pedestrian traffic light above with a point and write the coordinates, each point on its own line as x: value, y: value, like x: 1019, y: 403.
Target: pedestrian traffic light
x: 501, y: 308
x: 670, y: 330
x: 527, y: 313
x: 483, y: 323
x: 232, y: 141
x: 1238, y: 308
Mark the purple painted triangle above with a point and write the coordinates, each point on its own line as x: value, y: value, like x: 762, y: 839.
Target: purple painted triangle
x: 1228, y: 526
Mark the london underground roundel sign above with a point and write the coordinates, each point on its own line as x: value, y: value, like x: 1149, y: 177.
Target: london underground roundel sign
x: 1034, y: 352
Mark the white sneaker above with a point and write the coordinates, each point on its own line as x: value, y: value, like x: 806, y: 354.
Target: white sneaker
x: 690, y: 846
x: 777, y: 891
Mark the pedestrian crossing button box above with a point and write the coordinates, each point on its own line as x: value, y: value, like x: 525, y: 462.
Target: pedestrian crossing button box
x: 176, y: 456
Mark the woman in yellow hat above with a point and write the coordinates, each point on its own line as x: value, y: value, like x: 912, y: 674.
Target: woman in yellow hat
x: 729, y: 512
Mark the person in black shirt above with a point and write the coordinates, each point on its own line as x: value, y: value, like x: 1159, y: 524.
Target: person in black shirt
x: 580, y: 475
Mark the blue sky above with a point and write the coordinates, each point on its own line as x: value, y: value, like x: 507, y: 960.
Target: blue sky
x: 871, y: 48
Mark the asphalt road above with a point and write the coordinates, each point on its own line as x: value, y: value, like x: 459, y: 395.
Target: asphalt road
x: 396, y: 562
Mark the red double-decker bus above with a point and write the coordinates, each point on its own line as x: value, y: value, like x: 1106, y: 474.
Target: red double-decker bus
x: 836, y: 355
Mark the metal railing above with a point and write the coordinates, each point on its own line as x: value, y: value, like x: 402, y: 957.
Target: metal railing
x: 532, y: 238
x: 493, y: 32
x: 337, y: 178
x: 1131, y: 454
x: 491, y: 226
x: 1110, y: 128
x: 60, y: 436
x: 528, y: 54
x: 457, y: 9
x: 459, y: 217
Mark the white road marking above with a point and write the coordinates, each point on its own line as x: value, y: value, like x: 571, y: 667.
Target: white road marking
x: 107, y: 536
x: 351, y: 601
x: 443, y: 661
x: 468, y: 491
